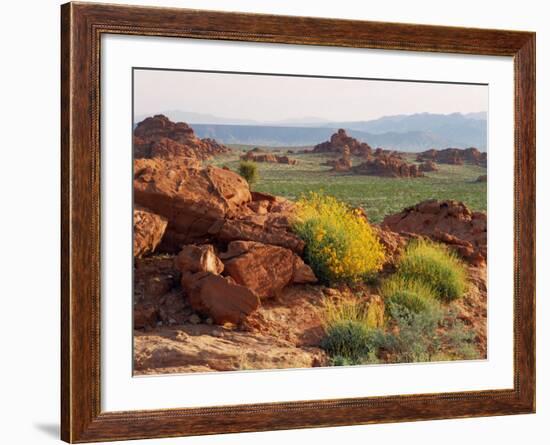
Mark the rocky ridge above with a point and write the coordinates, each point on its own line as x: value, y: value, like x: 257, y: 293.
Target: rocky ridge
x: 159, y: 137
x: 454, y: 156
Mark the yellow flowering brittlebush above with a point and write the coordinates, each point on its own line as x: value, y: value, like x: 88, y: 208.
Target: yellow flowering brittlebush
x: 340, y: 243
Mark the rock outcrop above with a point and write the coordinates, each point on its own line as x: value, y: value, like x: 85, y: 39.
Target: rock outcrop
x: 389, y: 166
x: 204, y: 204
x: 259, y: 156
x: 450, y: 222
x: 454, y: 156
x: 339, y: 140
x: 148, y: 231
x: 158, y: 136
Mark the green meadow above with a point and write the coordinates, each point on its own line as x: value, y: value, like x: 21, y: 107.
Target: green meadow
x: 378, y: 196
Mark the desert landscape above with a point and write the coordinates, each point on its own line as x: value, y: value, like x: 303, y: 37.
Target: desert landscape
x: 334, y: 253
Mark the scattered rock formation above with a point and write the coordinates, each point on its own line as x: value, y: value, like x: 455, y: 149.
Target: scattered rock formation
x: 283, y: 333
x: 454, y: 156
x: 428, y: 166
x: 389, y: 166
x: 158, y: 136
x: 340, y: 140
x: 204, y: 211
x: 450, y: 222
x: 343, y: 164
x: 267, y: 157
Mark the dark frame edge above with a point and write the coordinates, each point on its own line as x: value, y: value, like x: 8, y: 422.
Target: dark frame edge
x: 66, y: 417
x: 525, y: 223
x: 81, y: 418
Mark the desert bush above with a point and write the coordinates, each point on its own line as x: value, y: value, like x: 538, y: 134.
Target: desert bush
x: 433, y: 335
x: 349, y: 322
x: 340, y: 243
x: 249, y: 171
x: 348, y: 341
x: 413, y: 294
x: 415, y: 338
x: 437, y: 267
x: 351, y: 308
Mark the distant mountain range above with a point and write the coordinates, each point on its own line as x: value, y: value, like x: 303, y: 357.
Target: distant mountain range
x: 413, y: 132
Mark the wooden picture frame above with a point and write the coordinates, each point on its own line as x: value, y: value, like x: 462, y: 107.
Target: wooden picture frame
x: 82, y: 26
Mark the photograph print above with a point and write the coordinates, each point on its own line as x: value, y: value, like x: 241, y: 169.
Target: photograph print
x: 284, y: 221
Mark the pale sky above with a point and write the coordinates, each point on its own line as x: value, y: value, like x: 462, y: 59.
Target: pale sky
x: 270, y: 98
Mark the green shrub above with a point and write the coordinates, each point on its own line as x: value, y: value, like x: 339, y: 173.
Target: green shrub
x: 435, y: 266
x: 412, y: 294
x: 348, y: 341
x: 340, y: 243
x: 249, y: 171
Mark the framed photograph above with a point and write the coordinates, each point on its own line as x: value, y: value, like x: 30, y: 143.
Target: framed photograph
x: 276, y: 222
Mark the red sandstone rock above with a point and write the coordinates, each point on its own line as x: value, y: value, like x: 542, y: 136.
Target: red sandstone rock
x: 265, y: 269
x: 148, y: 231
x: 157, y: 297
x: 428, y: 166
x: 454, y: 156
x: 219, y: 297
x: 267, y: 157
x: 145, y: 316
x: 393, y: 244
x: 450, y: 222
x: 191, y: 199
x: 340, y: 140
x: 198, y: 259
x: 158, y: 136
x: 388, y: 166
x: 343, y: 164
x: 303, y: 274
x: 211, y: 204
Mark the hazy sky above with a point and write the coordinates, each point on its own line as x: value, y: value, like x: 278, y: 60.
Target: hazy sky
x: 274, y: 98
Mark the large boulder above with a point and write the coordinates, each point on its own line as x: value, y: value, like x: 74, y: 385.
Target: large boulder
x: 450, y: 222
x: 148, y: 231
x: 203, y: 204
x: 219, y: 297
x: 191, y: 199
x: 265, y: 269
